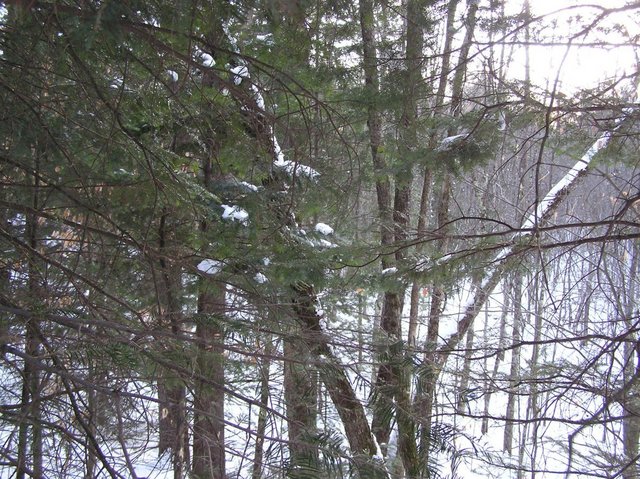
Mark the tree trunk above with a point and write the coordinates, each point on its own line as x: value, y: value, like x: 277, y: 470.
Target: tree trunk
x: 30, y: 429
x: 374, y: 122
x: 362, y: 443
x: 208, y: 395
x: 173, y: 434
x: 514, y: 372
x: 427, y: 386
x: 631, y: 397
x: 265, y: 378
x: 463, y: 388
x: 300, y: 395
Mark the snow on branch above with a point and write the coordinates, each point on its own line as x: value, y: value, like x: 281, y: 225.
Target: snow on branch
x: 543, y: 210
x: 239, y: 74
x: 545, y: 206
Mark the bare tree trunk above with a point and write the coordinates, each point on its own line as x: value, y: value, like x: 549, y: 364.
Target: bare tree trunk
x: 393, y: 381
x: 463, y: 389
x: 426, y: 390
x: 514, y: 372
x: 208, y: 395
x: 374, y: 122
x: 490, y: 384
x: 300, y: 395
x: 392, y: 303
x: 631, y: 397
x: 533, y: 407
x: 425, y: 393
x: 173, y: 434
x: 30, y: 430
x: 265, y: 378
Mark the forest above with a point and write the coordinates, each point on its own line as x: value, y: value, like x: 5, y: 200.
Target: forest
x: 375, y: 239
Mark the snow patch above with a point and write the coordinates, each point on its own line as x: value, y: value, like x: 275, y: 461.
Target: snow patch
x: 258, y: 97
x: 239, y: 73
x: 389, y: 271
x: 562, y: 185
x: 294, y: 169
x: 210, y: 266
x: 260, y: 278
x: 207, y: 60
x: 324, y: 229
x: 327, y: 244
x: 249, y: 186
x: 173, y: 76
x: 449, y: 142
x: 235, y: 213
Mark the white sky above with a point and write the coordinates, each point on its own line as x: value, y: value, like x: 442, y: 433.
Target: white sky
x: 583, y: 66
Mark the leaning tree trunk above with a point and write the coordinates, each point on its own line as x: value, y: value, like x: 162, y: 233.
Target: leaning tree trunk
x: 362, y: 444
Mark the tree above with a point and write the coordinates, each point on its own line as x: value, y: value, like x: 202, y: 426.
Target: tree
x: 204, y: 204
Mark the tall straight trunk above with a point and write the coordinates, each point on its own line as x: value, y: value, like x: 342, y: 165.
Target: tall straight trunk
x: 391, y: 303
x: 490, y: 383
x: 393, y: 381
x: 631, y: 421
x: 533, y: 401
x: 631, y: 397
x: 173, y: 434
x: 261, y: 429
x: 374, y: 123
x: 514, y: 370
x: 422, y: 403
x: 429, y: 373
x: 427, y: 382
x: 300, y: 395
x: 465, y: 375
x: 30, y: 429
x: 208, y: 396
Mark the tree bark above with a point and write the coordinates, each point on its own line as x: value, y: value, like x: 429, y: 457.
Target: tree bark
x: 514, y: 370
x: 265, y: 378
x: 208, y: 396
x: 300, y: 395
x: 30, y: 429
x: 374, y: 123
x: 362, y: 443
x: 173, y: 434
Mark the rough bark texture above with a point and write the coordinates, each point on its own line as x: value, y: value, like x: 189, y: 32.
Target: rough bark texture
x: 173, y: 434
x: 265, y: 377
x: 332, y: 374
x: 300, y: 395
x: 514, y: 371
x: 208, y: 399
